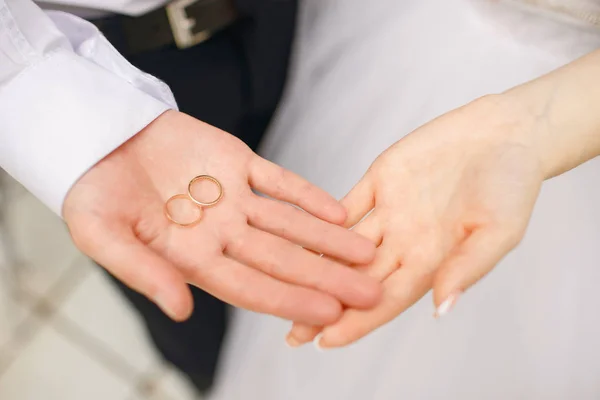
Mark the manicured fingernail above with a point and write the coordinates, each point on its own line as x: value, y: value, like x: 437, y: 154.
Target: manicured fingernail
x: 446, y: 305
x: 165, y: 307
x: 317, y: 342
x: 292, y: 341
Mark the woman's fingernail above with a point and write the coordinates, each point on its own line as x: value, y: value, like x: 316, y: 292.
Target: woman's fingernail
x: 317, y: 342
x: 446, y: 305
x: 292, y: 341
x: 165, y: 307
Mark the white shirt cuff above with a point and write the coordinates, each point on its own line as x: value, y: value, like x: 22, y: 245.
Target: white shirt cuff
x: 61, y: 116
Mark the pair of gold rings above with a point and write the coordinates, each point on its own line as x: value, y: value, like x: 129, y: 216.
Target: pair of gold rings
x: 198, y: 203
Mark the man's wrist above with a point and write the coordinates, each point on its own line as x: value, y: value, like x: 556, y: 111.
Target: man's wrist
x: 51, y: 139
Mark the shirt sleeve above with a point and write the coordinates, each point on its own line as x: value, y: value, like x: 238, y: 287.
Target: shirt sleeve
x: 67, y: 99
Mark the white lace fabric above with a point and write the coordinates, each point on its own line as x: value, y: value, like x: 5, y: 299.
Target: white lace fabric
x: 587, y: 11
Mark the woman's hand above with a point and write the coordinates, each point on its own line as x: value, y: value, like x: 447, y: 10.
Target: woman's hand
x: 245, y: 250
x: 446, y: 203
x: 453, y: 197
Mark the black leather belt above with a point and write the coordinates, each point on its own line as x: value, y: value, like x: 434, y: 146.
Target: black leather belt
x: 184, y: 23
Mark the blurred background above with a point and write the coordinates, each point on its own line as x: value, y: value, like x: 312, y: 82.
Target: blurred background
x: 65, y: 332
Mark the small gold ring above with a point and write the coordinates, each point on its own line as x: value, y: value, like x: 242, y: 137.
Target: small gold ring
x: 207, y: 178
x: 170, y: 217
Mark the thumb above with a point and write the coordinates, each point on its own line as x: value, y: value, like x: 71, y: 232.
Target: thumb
x: 472, y: 260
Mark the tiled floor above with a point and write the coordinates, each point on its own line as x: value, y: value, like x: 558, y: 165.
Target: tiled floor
x: 65, y: 332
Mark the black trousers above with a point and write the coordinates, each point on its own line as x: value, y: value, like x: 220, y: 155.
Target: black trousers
x: 233, y: 81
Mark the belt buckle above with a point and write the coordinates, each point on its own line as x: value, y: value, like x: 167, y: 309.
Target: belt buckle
x: 182, y: 24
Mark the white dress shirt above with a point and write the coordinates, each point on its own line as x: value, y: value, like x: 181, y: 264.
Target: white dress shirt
x: 67, y: 97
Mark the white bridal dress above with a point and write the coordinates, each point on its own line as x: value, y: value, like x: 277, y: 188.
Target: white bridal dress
x: 366, y: 73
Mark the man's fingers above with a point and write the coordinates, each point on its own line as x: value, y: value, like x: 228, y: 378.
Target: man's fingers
x: 471, y: 260
x: 307, y: 231
x: 290, y: 263
x: 359, y: 201
x: 140, y: 268
x: 245, y: 287
x: 302, y: 333
x: 387, y: 260
x: 281, y: 184
x: 401, y: 290
x: 385, y: 263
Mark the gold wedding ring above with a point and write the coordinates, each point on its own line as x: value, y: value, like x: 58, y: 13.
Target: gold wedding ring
x: 182, y: 223
x: 205, y: 178
x: 189, y: 196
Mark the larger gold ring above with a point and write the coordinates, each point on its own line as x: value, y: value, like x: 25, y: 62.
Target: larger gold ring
x: 180, y: 223
x: 207, y: 178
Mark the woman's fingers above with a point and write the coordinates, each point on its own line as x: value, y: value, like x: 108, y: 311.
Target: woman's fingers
x: 371, y: 228
x: 464, y: 266
x: 290, y: 263
x: 359, y: 201
x: 245, y: 287
x: 307, y: 231
x: 387, y: 260
x: 139, y: 267
x: 281, y: 184
x: 471, y: 260
x: 401, y: 290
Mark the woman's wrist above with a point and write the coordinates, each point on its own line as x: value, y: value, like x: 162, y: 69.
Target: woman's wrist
x: 560, y: 112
